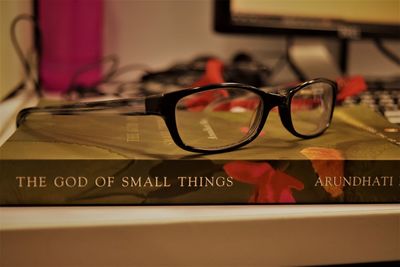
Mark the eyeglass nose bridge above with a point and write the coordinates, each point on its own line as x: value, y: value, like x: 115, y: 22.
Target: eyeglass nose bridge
x: 270, y: 101
x: 273, y: 100
x: 286, y: 117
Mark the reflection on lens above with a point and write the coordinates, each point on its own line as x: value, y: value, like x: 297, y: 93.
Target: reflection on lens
x: 218, y: 118
x: 311, y: 108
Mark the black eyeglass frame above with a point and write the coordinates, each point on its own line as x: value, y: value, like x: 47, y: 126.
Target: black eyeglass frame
x: 165, y: 106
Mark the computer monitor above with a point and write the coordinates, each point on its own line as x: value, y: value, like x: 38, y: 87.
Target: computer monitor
x: 349, y: 19
x: 341, y: 20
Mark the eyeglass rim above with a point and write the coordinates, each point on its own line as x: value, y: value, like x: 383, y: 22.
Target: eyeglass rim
x: 269, y: 100
x: 286, y: 115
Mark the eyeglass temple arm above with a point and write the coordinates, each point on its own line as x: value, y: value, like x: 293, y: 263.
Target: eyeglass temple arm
x: 130, y: 106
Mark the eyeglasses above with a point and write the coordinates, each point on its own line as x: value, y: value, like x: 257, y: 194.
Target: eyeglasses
x: 222, y: 117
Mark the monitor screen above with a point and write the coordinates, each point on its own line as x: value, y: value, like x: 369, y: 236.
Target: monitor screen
x: 350, y: 19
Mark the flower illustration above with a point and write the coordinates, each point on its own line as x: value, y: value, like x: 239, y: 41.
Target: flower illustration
x: 327, y: 162
x: 271, y: 186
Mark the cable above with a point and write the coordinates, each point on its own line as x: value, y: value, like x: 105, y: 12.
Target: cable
x: 286, y: 59
x: 114, y: 67
x: 82, y: 90
x: 24, y: 61
x: 14, y: 92
x: 15, y: 43
x: 74, y: 86
x: 278, y: 66
x: 384, y: 50
x: 109, y: 78
x: 300, y: 75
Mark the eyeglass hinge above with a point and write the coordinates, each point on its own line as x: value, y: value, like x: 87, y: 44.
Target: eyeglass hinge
x: 153, y: 105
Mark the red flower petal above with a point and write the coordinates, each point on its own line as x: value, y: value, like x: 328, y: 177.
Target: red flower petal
x: 278, y: 188
x: 213, y: 73
x: 350, y: 86
x: 201, y: 100
x: 272, y: 186
x: 248, y: 172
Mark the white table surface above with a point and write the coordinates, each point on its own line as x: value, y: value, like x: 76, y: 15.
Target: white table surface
x: 272, y: 235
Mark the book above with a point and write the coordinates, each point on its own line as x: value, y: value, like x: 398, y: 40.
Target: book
x: 106, y: 159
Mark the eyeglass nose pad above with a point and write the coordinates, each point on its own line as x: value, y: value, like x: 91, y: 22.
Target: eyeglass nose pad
x: 261, y: 117
x: 255, y: 117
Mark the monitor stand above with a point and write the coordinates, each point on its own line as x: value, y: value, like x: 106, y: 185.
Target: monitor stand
x: 314, y: 59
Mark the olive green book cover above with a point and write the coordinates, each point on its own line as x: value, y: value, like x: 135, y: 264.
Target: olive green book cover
x: 107, y: 159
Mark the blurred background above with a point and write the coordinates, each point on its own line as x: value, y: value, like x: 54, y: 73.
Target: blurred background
x: 159, y: 33
x: 79, y: 49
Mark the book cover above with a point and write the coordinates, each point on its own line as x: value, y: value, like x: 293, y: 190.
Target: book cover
x: 105, y: 159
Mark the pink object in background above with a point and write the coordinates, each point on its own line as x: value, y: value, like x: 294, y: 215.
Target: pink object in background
x: 70, y: 39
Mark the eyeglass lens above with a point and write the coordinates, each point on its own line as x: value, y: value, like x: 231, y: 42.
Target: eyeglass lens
x: 311, y: 108
x: 218, y: 118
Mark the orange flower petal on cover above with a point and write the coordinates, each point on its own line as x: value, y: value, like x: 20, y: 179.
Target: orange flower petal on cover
x: 327, y: 162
